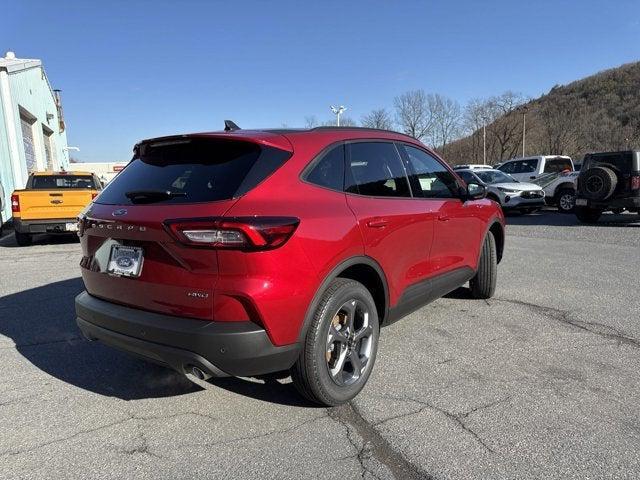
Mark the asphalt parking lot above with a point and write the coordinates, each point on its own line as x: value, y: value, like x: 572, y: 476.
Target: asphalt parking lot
x: 543, y: 381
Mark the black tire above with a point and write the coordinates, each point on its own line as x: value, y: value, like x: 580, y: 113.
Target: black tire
x: 311, y: 373
x: 23, y: 239
x: 588, y: 215
x: 597, y: 183
x: 566, y: 200
x: 483, y: 285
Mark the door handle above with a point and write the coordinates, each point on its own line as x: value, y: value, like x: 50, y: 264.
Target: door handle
x: 377, y: 223
x: 532, y: 177
x: 444, y: 218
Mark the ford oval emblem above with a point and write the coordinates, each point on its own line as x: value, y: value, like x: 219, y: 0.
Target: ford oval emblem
x: 119, y: 212
x: 124, y: 262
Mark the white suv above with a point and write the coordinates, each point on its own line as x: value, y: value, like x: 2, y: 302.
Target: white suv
x: 554, y: 173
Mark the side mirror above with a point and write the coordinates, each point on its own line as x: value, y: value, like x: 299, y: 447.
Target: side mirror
x: 476, y: 191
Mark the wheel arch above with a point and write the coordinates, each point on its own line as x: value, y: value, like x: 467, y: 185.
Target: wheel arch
x: 497, y: 230
x: 362, y: 269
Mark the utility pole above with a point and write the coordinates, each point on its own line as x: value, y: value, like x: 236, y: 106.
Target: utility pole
x: 338, y: 111
x: 524, y: 130
x: 484, y: 144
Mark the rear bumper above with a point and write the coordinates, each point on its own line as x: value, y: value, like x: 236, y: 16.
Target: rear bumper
x: 57, y: 225
x: 218, y: 348
x: 631, y: 203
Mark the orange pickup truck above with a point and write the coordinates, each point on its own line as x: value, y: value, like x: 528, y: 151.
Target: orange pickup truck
x: 51, y: 202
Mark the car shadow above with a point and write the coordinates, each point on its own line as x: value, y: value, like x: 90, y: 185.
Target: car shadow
x: 556, y: 219
x: 8, y: 240
x: 41, y: 323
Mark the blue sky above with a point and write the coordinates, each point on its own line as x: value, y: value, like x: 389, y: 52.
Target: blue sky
x: 132, y: 70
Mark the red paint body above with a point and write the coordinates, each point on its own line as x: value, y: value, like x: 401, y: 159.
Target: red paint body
x: 411, y: 239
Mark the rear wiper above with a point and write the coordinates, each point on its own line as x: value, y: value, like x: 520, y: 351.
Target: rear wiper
x: 150, y: 196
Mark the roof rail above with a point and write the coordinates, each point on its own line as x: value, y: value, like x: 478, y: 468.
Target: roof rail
x: 346, y: 127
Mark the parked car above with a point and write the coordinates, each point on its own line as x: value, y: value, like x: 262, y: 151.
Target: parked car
x: 509, y: 193
x: 529, y: 168
x: 473, y: 166
x: 608, y: 181
x: 51, y: 202
x: 559, y: 189
x: 553, y: 172
x: 249, y: 252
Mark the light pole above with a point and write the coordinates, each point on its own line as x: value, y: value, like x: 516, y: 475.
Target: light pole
x: 338, y: 111
x: 524, y: 130
x: 484, y: 143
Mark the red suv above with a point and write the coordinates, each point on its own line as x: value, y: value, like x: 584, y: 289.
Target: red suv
x: 250, y: 252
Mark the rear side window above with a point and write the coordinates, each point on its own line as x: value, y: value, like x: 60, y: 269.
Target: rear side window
x: 48, y: 182
x: 557, y: 165
x: 194, y: 170
x: 328, y: 172
x: 520, y: 166
x: 433, y: 178
x: 375, y: 169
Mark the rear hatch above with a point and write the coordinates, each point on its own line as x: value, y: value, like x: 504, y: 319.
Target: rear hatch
x: 171, y: 178
x: 56, y: 196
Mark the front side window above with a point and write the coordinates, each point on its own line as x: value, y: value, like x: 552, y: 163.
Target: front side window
x: 376, y: 170
x: 468, y: 177
x: 328, y: 172
x: 433, y: 178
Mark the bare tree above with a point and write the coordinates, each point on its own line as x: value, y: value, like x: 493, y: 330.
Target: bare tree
x: 311, y: 121
x: 446, y: 116
x: 378, y: 118
x: 413, y: 115
x: 506, y: 128
x: 344, y: 122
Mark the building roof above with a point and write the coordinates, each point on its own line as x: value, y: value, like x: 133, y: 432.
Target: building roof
x: 12, y: 64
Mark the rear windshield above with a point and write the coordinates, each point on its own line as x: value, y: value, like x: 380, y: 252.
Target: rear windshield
x: 622, y: 161
x: 49, y: 182
x: 194, y: 170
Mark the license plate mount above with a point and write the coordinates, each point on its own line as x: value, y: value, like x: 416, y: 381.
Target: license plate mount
x: 125, y: 261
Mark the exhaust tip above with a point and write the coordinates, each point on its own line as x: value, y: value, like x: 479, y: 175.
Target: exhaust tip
x: 199, y: 373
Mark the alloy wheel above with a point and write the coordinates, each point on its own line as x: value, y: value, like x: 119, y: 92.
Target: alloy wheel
x: 349, y: 343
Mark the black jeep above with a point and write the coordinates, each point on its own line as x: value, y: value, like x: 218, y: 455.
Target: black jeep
x: 608, y: 181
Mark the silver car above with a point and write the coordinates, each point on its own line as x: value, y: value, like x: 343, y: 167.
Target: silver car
x: 508, y: 192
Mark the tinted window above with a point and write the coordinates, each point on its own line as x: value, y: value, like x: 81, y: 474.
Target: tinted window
x: 48, y: 182
x: 376, y: 170
x: 433, y: 178
x: 329, y: 170
x: 494, y: 176
x: 195, y: 170
x: 519, y: 166
x: 467, y: 177
x: 557, y: 165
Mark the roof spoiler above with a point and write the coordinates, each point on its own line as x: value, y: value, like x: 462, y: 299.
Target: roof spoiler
x: 230, y: 126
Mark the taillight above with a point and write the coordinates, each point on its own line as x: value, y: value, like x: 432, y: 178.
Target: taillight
x: 240, y: 233
x: 93, y: 195
x: 634, y: 182
x: 15, y: 203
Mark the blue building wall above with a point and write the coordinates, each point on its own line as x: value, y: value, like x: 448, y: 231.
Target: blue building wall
x: 31, y: 97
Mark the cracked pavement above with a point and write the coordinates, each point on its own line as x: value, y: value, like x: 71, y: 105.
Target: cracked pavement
x: 541, y: 381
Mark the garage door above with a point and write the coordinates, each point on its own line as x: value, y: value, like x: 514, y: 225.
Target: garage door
x: 27, y: 140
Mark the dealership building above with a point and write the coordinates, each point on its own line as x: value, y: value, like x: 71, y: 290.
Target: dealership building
x: 32, y: 129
